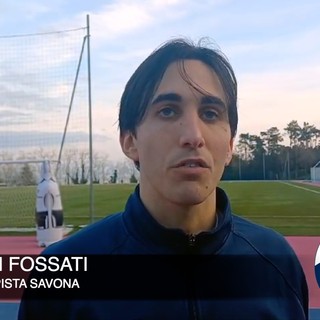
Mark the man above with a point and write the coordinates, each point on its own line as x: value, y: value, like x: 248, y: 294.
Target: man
x: 178, y: 119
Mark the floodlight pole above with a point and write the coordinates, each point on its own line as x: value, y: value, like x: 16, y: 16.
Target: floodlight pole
x: 289, y: 173
x: 264, y: 165
x: 90, y: 122
x: 239, y: 167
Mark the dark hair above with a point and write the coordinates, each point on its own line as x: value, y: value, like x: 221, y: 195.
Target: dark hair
x: 144, y: 82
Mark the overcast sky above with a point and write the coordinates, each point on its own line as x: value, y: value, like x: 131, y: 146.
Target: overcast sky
x: 273, y: 46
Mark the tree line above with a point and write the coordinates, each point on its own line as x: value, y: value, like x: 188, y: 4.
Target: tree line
x: 265, y: 157
x: 73, y: 169
x: 256, y: 157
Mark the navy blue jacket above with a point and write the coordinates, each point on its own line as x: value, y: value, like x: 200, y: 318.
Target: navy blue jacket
x: 253, y: 273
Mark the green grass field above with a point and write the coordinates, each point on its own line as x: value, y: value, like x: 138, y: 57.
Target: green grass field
x: 292, y: 209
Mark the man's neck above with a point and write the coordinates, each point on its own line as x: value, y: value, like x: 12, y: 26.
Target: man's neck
x: 192, y: 219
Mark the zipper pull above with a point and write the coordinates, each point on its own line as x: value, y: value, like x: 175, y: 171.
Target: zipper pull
x: 191, y: 240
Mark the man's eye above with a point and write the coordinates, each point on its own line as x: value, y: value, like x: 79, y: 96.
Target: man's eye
x: 209, y: 115
x: 167, y: 112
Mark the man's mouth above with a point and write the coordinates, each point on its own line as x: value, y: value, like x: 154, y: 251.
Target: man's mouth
x: 192, y: 163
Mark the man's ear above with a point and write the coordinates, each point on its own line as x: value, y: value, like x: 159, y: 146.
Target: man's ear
x: 128, y: 144
x: 230, y: 153
x: 229, y: 158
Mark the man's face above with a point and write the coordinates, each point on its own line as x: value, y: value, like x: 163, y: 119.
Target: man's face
x: 183, y: 142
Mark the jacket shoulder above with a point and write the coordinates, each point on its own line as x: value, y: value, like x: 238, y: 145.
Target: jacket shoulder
x: 276, y: 252
x: 264, y: 239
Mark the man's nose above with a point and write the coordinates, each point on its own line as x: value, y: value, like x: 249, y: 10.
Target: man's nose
x: 190, y: 128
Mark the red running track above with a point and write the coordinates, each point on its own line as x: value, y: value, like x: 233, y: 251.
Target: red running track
x: 305, y: 248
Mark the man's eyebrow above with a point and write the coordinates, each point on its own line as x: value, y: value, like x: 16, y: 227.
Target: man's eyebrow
x: 213, y: 100
x: 207, y: 99
x: 167, y: 97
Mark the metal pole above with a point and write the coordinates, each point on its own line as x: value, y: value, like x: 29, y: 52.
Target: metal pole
x: 289, y: 174
x: 70, y: 106
x: 239, y: 168
x: 264, y: 165
x: 90, y: 123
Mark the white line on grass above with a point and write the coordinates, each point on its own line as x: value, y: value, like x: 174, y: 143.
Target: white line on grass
x: 299, y: 187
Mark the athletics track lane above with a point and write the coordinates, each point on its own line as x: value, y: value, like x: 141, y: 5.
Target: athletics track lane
x: 305, y: 248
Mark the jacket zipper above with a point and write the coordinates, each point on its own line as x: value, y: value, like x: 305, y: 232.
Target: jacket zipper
x: 192, y: 301
x: 191, y: 240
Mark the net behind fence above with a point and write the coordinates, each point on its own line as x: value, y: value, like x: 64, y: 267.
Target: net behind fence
x: 43, y: 94
x: 17, y: 206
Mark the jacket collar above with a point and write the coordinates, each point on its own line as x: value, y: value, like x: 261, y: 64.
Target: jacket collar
x: 159, y: 239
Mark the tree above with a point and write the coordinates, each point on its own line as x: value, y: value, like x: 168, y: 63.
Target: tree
x: 26, y: 176
x: 67, y: 168
x: 83, y: 179
x: 306, y: 134
x: 293, y: 131
x: 244, y: 146
x: 114, y: 177
x: 272, y: 138
x: 75, y: 178
x: 8, y: 172
x: 315, y: 136
x: 133, y: 179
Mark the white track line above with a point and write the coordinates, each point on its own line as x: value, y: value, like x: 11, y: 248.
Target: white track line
x: 299, y: 187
